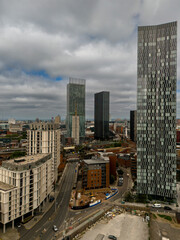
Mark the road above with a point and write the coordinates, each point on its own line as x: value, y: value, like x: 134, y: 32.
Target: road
x: 77, y: 215
x: 51, y: 217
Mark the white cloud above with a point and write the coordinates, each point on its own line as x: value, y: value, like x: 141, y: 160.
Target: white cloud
x: 93, y: 39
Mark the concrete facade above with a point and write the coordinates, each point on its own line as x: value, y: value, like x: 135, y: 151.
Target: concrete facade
x: 24, y: 184
x: 45, y: 138
x: 75, y: 129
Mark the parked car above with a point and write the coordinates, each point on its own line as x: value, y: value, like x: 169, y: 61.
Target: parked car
x: 167, y: 208
x: 51, y: 199
x: 55, y: 228
x: 156, y: 205
x: 18, y: 225
x: 112, y: 237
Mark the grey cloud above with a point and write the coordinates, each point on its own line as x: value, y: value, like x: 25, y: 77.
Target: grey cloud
x: 95, y: 40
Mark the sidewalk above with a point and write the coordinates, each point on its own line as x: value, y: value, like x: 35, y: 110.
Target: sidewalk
x: 10, y: 234
x: 36, y: 218
x: 46, y: 206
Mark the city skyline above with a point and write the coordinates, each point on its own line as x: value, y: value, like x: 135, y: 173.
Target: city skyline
x: 99, y: 45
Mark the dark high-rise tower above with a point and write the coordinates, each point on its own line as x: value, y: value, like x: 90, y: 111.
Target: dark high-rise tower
x: 156, y: 110
x: 101, y: 116
x: 133, y: 125
x: 76, y: 105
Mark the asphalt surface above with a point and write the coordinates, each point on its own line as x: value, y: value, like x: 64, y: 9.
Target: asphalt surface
x: 77, y: 215
x: 44, y: 228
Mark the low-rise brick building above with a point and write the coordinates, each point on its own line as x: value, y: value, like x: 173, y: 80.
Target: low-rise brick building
x: 95, y: 173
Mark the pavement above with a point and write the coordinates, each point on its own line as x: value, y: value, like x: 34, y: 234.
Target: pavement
x: 41, y: 227
x: 161, y: 229
x: 55, y: 215
x: 124, y: 226
x: 10, y: 234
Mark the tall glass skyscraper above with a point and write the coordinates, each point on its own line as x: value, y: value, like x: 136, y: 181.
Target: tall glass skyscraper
x: 133, y: 125
x: 156, y: 110
x: 76, y: 105
x: 101, y: 115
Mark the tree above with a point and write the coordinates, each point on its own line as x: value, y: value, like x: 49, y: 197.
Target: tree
x: 112, y: 179
x: 18, y: 154
x: 129, y: 197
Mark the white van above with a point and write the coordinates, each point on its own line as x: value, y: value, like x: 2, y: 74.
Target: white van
x: 157, y: 205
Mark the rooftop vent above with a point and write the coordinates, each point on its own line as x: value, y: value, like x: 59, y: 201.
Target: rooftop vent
x: 19, y: 160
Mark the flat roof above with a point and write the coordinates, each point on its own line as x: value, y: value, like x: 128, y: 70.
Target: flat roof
x: 26, y: 162
x: 5, y: 186
x: 95, y: 161
x: 27, y: 159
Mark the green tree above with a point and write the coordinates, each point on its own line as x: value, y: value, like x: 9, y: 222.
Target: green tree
x: 18, y: 154
x: 112, y: 179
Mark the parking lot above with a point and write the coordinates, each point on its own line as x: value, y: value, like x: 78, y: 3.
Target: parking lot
x: 123, y: 226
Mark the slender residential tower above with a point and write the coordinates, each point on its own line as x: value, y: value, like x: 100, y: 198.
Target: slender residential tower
x: 76, y: 107
x: 156, y: 110
x: 45, y: 138
x: 133, y: 125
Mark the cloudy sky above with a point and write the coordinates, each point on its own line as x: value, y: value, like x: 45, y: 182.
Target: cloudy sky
x: 44, y: 42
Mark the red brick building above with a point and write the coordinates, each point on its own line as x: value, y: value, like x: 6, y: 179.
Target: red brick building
x: 112, y: 162
x: 124, y: 160
x: 178, y: 136
x: 95, y: 173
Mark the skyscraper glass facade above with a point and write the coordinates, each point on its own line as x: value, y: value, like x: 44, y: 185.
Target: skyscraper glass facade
x: 76, y: 105
x: 101, y: 116
x: 133, y: 125
x: 156, y: 110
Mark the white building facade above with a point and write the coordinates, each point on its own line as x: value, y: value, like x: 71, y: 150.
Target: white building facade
x: 24, y: 184
x: 45, y: 138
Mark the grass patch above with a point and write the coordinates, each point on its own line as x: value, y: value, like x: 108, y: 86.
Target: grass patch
x: 154, y: 216
x: 165, y: 217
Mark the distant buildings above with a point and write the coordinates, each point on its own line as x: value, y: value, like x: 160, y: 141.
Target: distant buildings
x: 16, y: 127
x: 156, y: 110
x: 45, y: 138
x: 95, y: 173
x: 133, y: 125
x: 101, y: 116
x: 24, y: 184
x: 76, y: 108
x: 57, y: 119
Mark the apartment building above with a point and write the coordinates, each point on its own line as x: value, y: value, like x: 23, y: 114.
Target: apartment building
x: 76, y: 106
x: 156, y: 110
x: 45, y: 138
x: 95, y: 173
x: 24, y: 184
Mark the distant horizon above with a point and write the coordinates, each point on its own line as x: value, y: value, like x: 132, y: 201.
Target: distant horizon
x: 121, y: 119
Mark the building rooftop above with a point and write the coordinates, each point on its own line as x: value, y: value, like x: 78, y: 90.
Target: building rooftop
x: 95, y: 161
x: 5, y: 186
x: 44, y: 126
x: 26, y: 162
